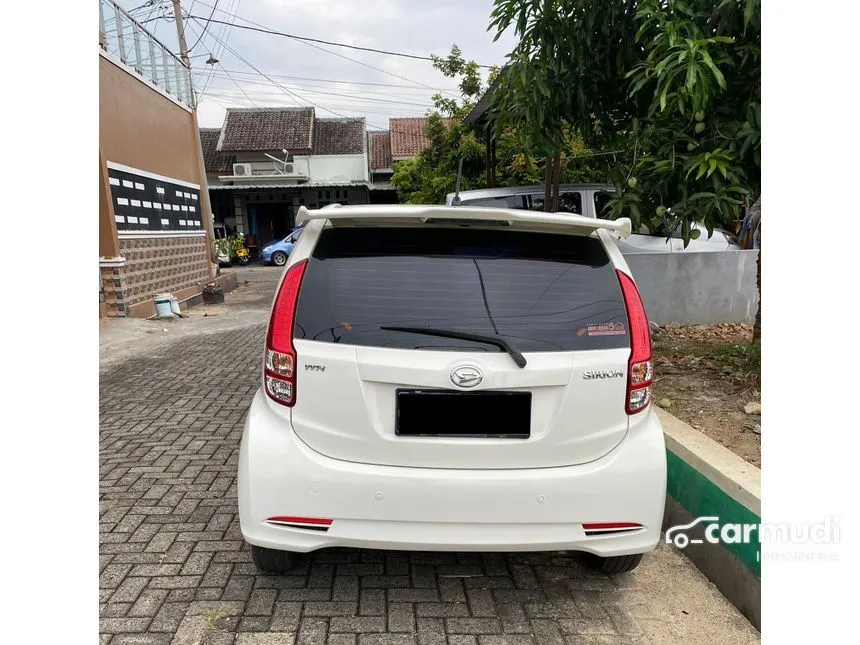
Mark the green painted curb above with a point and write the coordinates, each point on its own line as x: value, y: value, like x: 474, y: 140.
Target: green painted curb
x: 701, y: 497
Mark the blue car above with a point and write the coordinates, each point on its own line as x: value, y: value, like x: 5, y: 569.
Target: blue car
x: 277, y: 252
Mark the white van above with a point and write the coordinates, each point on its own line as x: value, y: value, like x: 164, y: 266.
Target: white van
x: 589, y: 200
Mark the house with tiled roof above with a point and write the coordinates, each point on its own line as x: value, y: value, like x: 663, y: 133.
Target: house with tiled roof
x: 404, y: 139
x: 408, y: 136
x: 264, y: 163
x: 381, y: 170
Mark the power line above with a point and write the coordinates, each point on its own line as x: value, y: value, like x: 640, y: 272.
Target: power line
x: 153, y: 5
x: 358, y: 103
x: 205, y: 27
x: 243, y: 91
x: 223, y: 33
x: 274, y: 103
x: 378, y: 69
x: 346, y: 82
x: 148, y: 3
x: 228, y: 75
x: 388, y: 99
x: 353, y: 60
x: 296, y: 97
x: 265, y: 30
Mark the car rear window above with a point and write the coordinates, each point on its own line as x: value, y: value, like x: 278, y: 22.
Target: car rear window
x: 539, y: 292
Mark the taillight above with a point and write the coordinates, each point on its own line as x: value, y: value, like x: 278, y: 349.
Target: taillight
x: 280, y: 360
x: 640, y: 373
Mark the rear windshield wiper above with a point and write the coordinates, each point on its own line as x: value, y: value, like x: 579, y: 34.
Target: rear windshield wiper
x: 519, y: 359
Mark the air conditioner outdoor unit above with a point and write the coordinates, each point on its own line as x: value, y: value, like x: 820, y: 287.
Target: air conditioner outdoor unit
x: 242, y: 170
x: 288, y: 169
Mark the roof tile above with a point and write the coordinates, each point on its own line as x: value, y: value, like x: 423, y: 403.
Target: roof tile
x: 267, y: 130
x: 339, y: 137
x: 407, y: 136
x: 214, y: 161
x: 380, y: 150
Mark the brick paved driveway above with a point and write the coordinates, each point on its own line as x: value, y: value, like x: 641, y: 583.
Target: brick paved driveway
x: 174, y: 568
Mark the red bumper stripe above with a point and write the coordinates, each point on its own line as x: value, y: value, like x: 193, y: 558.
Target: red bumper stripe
x: 300, y: 520
x: 611, y: 525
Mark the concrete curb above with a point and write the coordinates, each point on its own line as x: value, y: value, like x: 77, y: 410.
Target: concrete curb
x: 707, y: 479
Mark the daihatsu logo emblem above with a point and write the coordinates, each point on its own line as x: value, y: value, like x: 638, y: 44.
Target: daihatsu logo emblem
x: 466, y: 376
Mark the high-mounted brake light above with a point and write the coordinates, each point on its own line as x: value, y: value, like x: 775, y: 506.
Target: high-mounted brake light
x: 280, y: 360
x: 640, y: 369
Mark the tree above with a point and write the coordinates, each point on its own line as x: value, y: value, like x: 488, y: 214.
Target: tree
x: 676, y: 84
x: 700, y: 136
x: 698, y: 140
x: 429, y: 177
x: 564, y: 80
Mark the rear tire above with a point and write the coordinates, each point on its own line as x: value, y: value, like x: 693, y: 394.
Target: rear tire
x: 279, y: 258
x: 272, y: 560
x: 618, y: 563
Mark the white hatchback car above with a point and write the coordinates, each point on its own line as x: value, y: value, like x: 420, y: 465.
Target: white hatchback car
x: 454, y: 379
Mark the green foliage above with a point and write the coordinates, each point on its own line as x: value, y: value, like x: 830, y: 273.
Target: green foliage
x: 453, y: 66
x: 229, y: 245
x: 674, y: 84
x: 564, y: 70
x: 701, y: 132
x: 429, y: 177
x: 739, y: 356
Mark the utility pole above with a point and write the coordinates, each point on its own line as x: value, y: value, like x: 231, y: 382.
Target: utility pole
x: 206, y: 207
x: 180, y: 31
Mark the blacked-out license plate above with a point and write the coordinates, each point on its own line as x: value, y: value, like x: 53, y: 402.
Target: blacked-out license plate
x: 448, y: 413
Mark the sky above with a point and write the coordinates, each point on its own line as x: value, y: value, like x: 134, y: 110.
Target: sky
x: 303, y: 74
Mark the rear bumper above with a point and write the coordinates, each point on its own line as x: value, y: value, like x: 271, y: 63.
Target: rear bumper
x: 389, y: 507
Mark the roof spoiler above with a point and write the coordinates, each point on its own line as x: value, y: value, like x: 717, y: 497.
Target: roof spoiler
x: 404, y: 214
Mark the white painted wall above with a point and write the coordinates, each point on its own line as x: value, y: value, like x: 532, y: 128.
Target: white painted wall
x: 338, y: 168
x: 249, y: 157
x: 333, y: 168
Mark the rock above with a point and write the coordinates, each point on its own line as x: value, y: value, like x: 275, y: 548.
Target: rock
x: 665, y: 403
x: 755, y: 428
x: 164, y: 329
x: 752, y: 408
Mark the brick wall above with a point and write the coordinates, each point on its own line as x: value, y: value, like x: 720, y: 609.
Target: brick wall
x: 154, y: 265
x: 112, y: 290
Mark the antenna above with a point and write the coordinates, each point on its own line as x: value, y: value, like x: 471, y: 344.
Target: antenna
x: 457, y: 201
